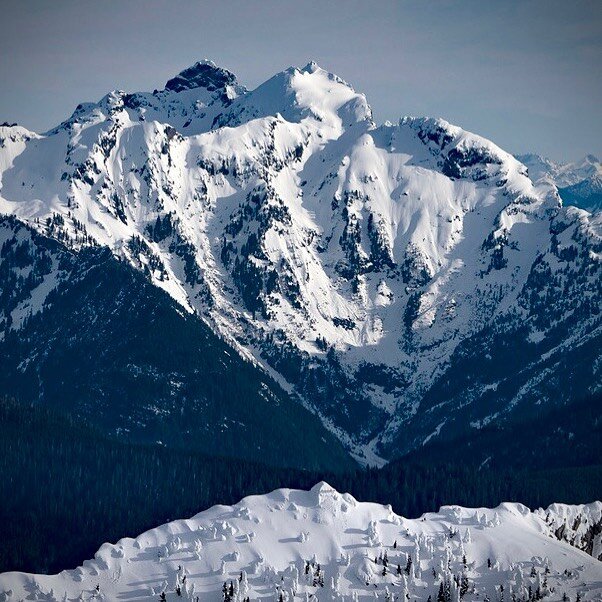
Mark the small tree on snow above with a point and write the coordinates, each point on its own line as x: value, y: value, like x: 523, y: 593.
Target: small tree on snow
x: 464, y: 585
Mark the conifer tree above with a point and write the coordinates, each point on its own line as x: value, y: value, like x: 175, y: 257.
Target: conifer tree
x: 464, y: 585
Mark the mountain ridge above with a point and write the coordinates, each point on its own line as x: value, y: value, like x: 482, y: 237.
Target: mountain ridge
x: 350, y: 260
x: 579, y: 183
x: 89, y: 335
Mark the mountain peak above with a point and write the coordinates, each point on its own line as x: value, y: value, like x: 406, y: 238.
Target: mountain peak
x: 311, y: 67
x: 296, y: 93
x: 203, y: 74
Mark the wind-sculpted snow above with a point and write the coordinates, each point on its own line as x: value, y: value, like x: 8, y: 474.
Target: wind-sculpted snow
x: 358, y: 263
x: 581, y: 526
x: 322, y: 545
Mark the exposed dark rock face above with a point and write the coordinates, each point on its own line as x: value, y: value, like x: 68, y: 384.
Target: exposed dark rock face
x: 201, y: 75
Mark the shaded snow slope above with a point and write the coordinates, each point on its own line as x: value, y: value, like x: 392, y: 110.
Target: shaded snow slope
x: 358, y: 263
x: 323, y: 545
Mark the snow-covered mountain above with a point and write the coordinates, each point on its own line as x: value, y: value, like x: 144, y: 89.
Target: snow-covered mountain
x: 323, y: 545
x: 578, y: 183
x: 562, y: 174
x: 86, y: 335
x: 407, y: 281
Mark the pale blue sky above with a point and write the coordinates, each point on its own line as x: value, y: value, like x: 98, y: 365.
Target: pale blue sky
x: 525, y: 74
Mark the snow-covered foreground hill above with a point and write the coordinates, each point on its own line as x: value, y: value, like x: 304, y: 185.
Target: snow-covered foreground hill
x: 322, y: 545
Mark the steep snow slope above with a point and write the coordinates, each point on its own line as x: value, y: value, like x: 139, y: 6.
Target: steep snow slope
x: 322, y: 545
x: 352, y: 260
x: 578, y: 183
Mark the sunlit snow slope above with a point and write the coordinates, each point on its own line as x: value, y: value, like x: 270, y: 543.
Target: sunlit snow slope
x: 365, y: 266
x: 322, y: 545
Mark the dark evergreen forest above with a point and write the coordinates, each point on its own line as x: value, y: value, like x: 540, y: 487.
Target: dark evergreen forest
x: 113, y: 349
x: 66, y: 489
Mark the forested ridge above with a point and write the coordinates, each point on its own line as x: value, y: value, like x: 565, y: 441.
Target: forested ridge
x: 111, y: 348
